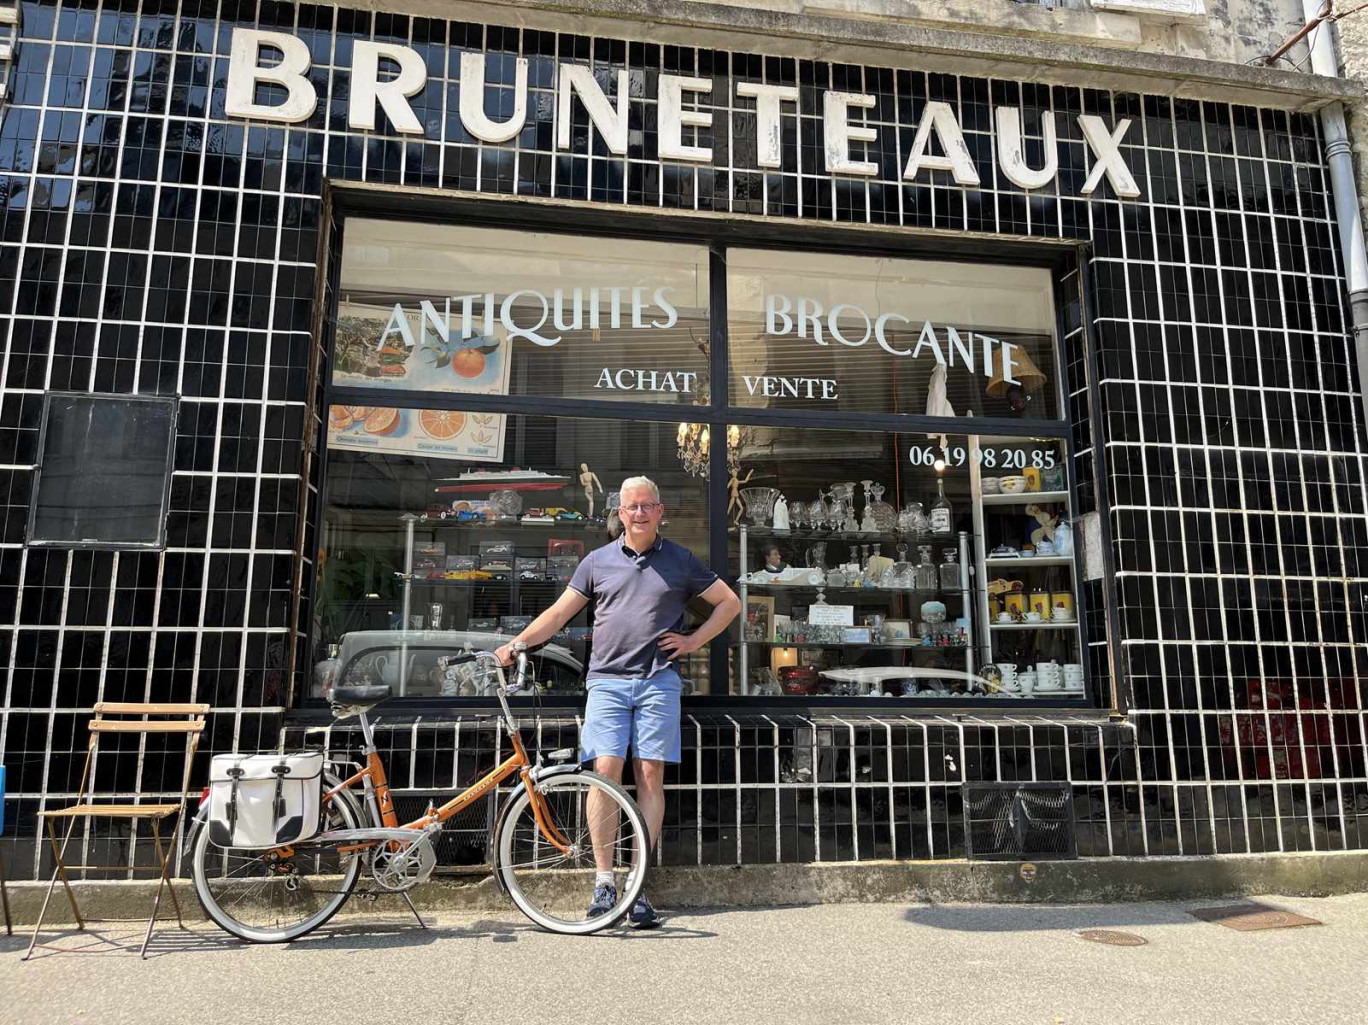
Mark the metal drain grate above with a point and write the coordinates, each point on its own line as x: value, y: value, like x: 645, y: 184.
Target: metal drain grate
x: 1005, y: 821
x: 1252, y: 917
x: 1112, y: 938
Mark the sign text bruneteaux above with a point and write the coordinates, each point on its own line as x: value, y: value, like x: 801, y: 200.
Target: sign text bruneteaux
x: 280, y: 59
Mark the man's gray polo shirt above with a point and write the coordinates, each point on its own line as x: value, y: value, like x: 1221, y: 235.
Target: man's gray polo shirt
x: 638, y: 598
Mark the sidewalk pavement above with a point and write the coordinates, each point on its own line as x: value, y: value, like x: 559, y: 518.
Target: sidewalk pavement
x: 840, y: 963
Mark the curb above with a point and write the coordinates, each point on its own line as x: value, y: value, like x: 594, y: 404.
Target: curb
x: 1102, y: 880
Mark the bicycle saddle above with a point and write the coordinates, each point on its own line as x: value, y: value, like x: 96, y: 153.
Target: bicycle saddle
x: 360, y: 695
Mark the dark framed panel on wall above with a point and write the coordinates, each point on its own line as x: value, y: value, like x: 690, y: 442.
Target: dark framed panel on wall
x: 466, y: 424
x: 104, y: 471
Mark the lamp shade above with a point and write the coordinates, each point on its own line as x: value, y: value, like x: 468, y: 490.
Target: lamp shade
x: 1030, y: 376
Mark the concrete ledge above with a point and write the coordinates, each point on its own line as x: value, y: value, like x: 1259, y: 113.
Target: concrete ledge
x: 1109, y: 880
x: 965, y: 49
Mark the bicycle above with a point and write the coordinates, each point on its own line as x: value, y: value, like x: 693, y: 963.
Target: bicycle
x: 551, y: 836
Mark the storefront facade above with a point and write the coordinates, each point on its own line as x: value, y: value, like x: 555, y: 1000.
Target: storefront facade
x: 1023, y: 416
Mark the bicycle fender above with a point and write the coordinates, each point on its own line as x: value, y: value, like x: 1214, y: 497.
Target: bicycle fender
x: 559, y: 770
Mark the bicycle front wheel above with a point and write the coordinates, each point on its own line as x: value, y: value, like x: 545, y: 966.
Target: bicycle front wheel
x: 589, y: 823
x: 259, y: 897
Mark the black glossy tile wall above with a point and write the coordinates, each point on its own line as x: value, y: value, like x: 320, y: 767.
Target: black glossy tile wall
x: 149, y: 244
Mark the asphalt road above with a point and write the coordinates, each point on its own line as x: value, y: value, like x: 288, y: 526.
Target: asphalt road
x: 1013, y: 964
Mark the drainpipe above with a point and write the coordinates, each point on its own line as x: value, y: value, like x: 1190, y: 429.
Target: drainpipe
x: 1339, y: 155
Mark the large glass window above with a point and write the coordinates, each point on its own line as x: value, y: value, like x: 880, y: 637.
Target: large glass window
x: 423, y: 555
x: 827, y: 332
x: 935, y: 566
x: 447, y: 308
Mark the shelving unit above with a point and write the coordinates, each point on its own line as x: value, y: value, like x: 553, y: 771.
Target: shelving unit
x: 988, y: 511
x: 913, y: 597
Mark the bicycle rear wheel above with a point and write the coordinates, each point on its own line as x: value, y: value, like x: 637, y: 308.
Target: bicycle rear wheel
x: 258, y: 897
x: 550, y: 873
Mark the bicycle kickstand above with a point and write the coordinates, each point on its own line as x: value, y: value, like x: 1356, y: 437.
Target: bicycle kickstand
x: 409, y: 901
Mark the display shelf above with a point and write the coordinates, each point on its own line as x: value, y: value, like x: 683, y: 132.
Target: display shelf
x: 438, y: 582
x: 1034, y: 626
x: 871, y: 591
x: 857, y: 537
x: 1031, y: 560
x: 1026, y: 497
x: 891, y: 645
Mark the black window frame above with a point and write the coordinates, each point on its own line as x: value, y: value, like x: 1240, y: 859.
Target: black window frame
x: 49, y: 398
x: 1061, y: 257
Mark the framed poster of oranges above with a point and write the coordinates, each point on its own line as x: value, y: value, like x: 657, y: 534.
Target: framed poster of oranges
x: 446, y: 433
x: 413, y: 346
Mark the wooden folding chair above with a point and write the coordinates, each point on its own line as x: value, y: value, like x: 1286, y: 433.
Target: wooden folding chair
x: 110, y: 718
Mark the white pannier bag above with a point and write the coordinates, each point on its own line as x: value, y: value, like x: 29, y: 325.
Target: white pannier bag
x: 264, y: 800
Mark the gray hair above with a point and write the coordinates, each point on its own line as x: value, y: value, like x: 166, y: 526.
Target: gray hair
x: 640, y: 482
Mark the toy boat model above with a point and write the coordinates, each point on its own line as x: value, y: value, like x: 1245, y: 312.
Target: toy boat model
x: 500, y: 480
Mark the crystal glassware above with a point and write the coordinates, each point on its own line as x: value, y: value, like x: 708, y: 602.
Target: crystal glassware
x: 759, y: 504
x: 928, y: 577
x: 950, y: 571
x: 885, y: 519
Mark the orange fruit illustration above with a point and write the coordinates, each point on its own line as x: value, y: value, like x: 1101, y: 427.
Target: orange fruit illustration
x: 359, y: 412
x: 468, y: 363
x: 340, y: 418
x: 382, y: 421
x: 441, y: 424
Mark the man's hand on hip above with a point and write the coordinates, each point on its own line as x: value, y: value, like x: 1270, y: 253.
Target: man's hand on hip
x: 677, y: 645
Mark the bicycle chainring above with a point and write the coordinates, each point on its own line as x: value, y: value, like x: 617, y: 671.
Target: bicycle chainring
x: 403, y: 869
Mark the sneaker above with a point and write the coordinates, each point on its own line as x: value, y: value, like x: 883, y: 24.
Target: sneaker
x: 605, y: 897
x: 642, y: 915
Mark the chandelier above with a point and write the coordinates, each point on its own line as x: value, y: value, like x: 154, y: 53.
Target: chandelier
x: 695, y: 445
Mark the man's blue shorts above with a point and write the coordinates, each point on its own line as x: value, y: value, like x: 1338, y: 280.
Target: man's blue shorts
x: 640, y: 714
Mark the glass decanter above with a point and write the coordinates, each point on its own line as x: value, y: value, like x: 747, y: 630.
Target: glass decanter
x: 950, y: 571
x: 903, y: 575
x: 927, y: 576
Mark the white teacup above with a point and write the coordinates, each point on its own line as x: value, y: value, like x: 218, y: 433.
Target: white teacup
x: 1004, y: 617
x: 1033, y: 617
x: 1028, y: 683
x: 1062, y: 614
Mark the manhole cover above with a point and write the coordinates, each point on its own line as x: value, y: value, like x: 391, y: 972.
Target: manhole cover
x: 1252, y: 917
x: 1112, y: 938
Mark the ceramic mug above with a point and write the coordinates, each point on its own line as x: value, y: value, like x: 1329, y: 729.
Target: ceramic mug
x: 1028, y: 683
x: 1033, y: 617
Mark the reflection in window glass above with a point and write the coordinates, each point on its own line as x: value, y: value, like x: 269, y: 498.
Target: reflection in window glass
x: 473, y: 544
x: 449, y: 308
x: 820, y: 331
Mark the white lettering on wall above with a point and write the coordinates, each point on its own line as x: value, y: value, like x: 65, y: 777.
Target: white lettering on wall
x: 367, y: 89
x: 473, y: 115
x: 938, y: 144
x: 768, y: 137
x: 673, y: 117
x: 611, y: 122
x: 245, y: 73
x: 1011, y: 156
x: 1106, y: 146
x: 939, y: 118
x: 840, y: 133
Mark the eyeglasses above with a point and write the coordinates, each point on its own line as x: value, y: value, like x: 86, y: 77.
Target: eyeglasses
x: 642, y: 507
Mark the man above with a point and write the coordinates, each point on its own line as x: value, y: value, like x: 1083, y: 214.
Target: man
x: 641, y: 584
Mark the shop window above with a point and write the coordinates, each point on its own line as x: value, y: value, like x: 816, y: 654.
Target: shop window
x: 104, y: 473
x: 823, y: 332
x: 447, y: 308
x: 424, y: 554
x: 895, y: 565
